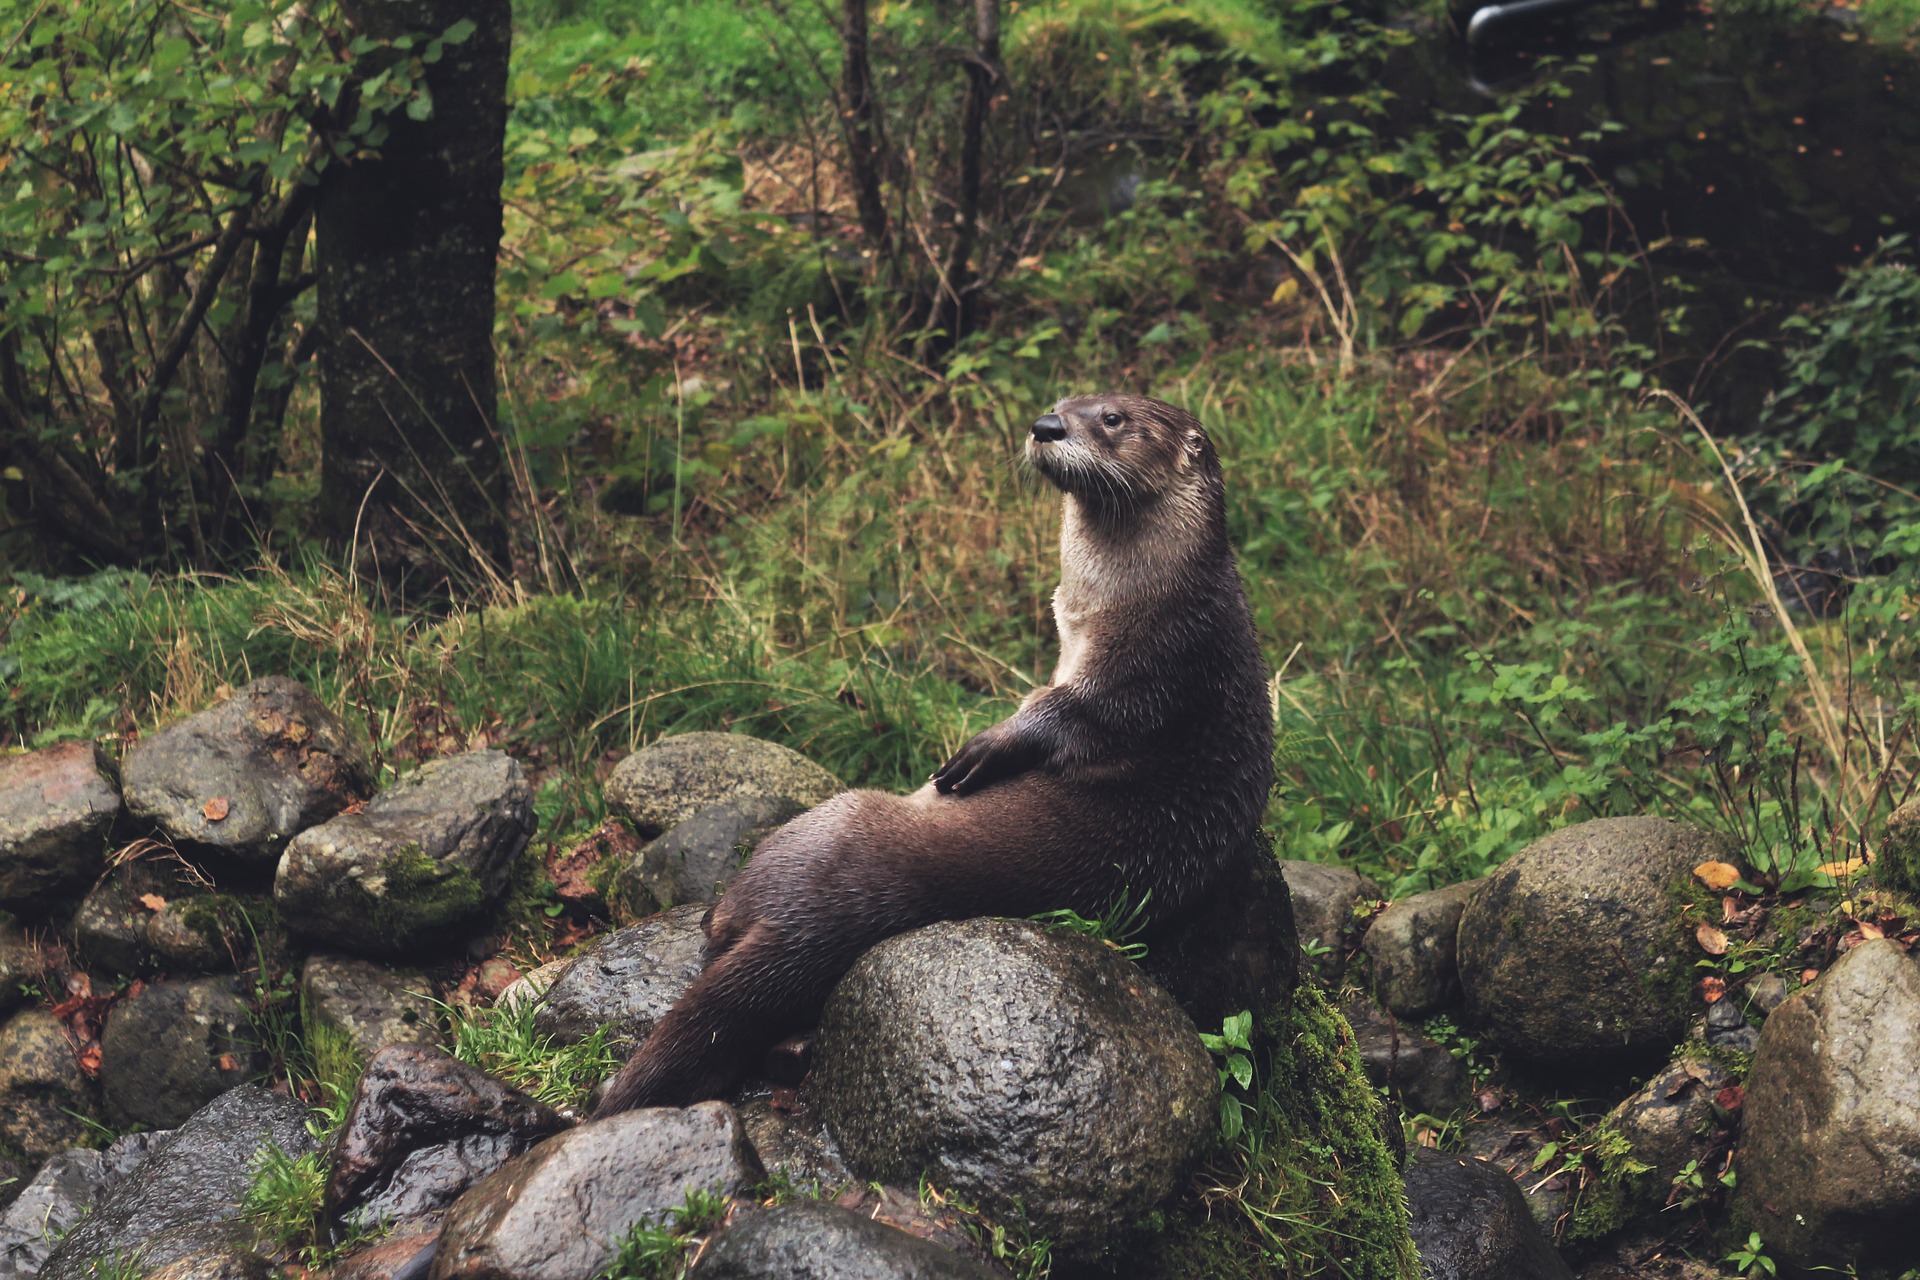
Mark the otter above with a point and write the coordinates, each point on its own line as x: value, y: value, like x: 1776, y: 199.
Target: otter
x: 1140, y: 773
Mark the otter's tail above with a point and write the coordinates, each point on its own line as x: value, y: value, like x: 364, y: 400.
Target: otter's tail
x: 759, y: 989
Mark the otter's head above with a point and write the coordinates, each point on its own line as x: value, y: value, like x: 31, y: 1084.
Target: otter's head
x: 1121, y: 451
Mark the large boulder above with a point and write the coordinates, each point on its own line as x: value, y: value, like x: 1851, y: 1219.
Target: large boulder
x: 1324, y: 897
x: 176, y: 1046
x: 60, y: 1195
x: 629, y: 979
x: 186, y: 1196
x: 661, y: 786
x: 558, y: 1212
x: 43, y: 1092
x: 1028, y: 1072
x: 810, y: 1240
x: 1574, y: 954
x: 1470, y: 1222
x: 1830, y: 1147
x: 1410, y: 945
x: 693, y: 862
x: 421, y: 1129
x: 418, y: 864
x: 367, y: 1005
x: 55, y: 808
x: 247, y: 775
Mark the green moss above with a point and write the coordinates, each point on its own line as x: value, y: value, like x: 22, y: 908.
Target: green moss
x: 335, y: 1059
x: 1311, y: 1188
x: 425, y: 895
x: 1898, y: 864
x: 1624, y: 1189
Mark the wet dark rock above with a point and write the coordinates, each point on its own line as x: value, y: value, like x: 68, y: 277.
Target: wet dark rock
x: 1416, y: 1070
x: 24, y: 968
x: 247, y: 775
x: 933, y: 1219
x: 693, y: 862
x: 1234, y: 951
x: 422, y: 861
x: 41, y: 1085
x: 15, y: 1173
x: 186, y: 1196
x: 110, y: 927
x: 1830, y: 1141
x: 791, y: 1138
x: 1727, y: 1029
x: 385, y: 1258
x: 1016, y: 1068
x: 421, y: 1129
x: 210, y: 932
x: 1411, y: 948
x: 60, y: 1195
x: 176, y: 1046
x: 1324, y: 897
x: 557, y: 1212
x: 55, y: 808
x: 1649, y: 1138
x: 630, y: 978
x: 368, y: 1004
x: 222, y: 1262
x: 1515, y: 1149
x: 1470, y: 1222
x: 1573, y: 954
x: 661, y: 786
x: 1766, y: 993
x: 810, y: 1240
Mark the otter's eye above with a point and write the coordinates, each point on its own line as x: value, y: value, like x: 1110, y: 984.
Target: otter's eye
x: 1113, y: 419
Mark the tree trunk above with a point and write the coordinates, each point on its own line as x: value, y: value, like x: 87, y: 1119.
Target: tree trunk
x: 954, y: 315
x: 406, y: 242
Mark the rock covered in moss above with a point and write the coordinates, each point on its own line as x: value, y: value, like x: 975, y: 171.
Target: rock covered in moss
x: 1674, y: 1120
x: 55, y: 808
x: 186, y: 1196
x: 628, y: 979
x: 812, y: 1240
x: 1573, y: 953
x: 175, y: 1046
x: 1411, y: 949
x: 221, y: 1262
x: 1830, y: 1146
x: 41, y: 1085
x: 661, y: 786
x: 248, y: 774
x: 1470, y: 1222
x: 422, y: 861
x: 210, y: 932
x: 1324, y: 897
x: 1898, y: 863
x: 558, y: 1212
x: 693, y: 862
x: 367, y: 1005
x: 1025, y: 1071
x: 421, y: 1129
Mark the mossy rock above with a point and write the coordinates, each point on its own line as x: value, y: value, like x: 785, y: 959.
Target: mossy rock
x: 1898, y: 864
x: 661, y: 786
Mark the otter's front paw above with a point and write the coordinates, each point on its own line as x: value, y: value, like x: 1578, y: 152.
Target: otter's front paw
x: 988, y: 757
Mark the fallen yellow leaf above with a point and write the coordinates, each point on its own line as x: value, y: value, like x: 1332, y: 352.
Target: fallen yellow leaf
x: 1717, y: 875
x: 1838, y: 870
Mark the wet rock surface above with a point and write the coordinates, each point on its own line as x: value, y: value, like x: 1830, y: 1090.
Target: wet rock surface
x: 176, y: 1046
x: 24, y: 967
x: 693, y: 862
x: 811, y: 1240
x: 421, y: 1129
x: 1674, y: 1120
x: 55, y: 808
x: 792, y: 1139
x: 419, y: 862
x: 661, y: 786
x: 386, y: 1258
x: 630, y: 978
x: 1470, y: 1222
x: 41, y: 1085
x: 1410, y: 947
x: 1324, y: 897
x: 1572, y: 954
x: 58, y: 1196
x: 186, y: 1196
x: 222, y: 1262
x: 209, y: 932
x: 368, y: 1004
x: 246, y: 775
x: 557, y: 1212
x: 1830, y: 1152
x: 109, y: 928
x: 1018, y: 1069
x: 1416, y: 1070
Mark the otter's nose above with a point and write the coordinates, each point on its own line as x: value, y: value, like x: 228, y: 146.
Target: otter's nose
x: 1050, y: 426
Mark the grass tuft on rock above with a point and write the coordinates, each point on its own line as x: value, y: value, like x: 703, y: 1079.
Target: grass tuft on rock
x: 504, y: 1042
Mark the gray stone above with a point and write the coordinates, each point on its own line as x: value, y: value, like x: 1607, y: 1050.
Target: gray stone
x: 531, y: 988
x: 630, y: 978
x: 661, y: 786
x: 390, y: 1257
x: 1766, y: 993
x: 211, y: 932
x: 41, y: 1085
x: 186, y: 1196
x: 1573, y: 953
x: 1419, y: 1072
x: 792, y: 1140
x: 1727, y: 1028
x: 1671, y: 1122
x: 1022, y: 1070
x: 1830, y: 1145
x: 247, y: 775
x: 1324, y: 897
x: 809, y: 1240
x: 421, y: 1129
x: 693, y: 862
x: 60, y: 1195
x: 23, y: 968
x: 368, y: 1004
x: 109, y: 928
x: 1411, y: 948
x: 55, y: 808
x: 176, y: 1046
x: 557, y: 1212
x: 223, y: 1262
x: 1470, y: 1222
x: 422, y: 861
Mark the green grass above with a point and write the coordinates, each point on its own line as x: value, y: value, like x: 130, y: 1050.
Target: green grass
x: 503, y: 1041
x: 651, y: 1250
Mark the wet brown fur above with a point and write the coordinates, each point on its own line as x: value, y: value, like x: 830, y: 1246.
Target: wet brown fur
x: 1143, y: 769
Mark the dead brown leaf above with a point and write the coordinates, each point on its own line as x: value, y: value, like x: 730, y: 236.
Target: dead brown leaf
x: 1712, y: 989
x: 153, y: 902
x: 1711, y: 940
x: 217, y: 808
x: 1717, y: 875
x: 1871, y: 931
x: 228, y: 1062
